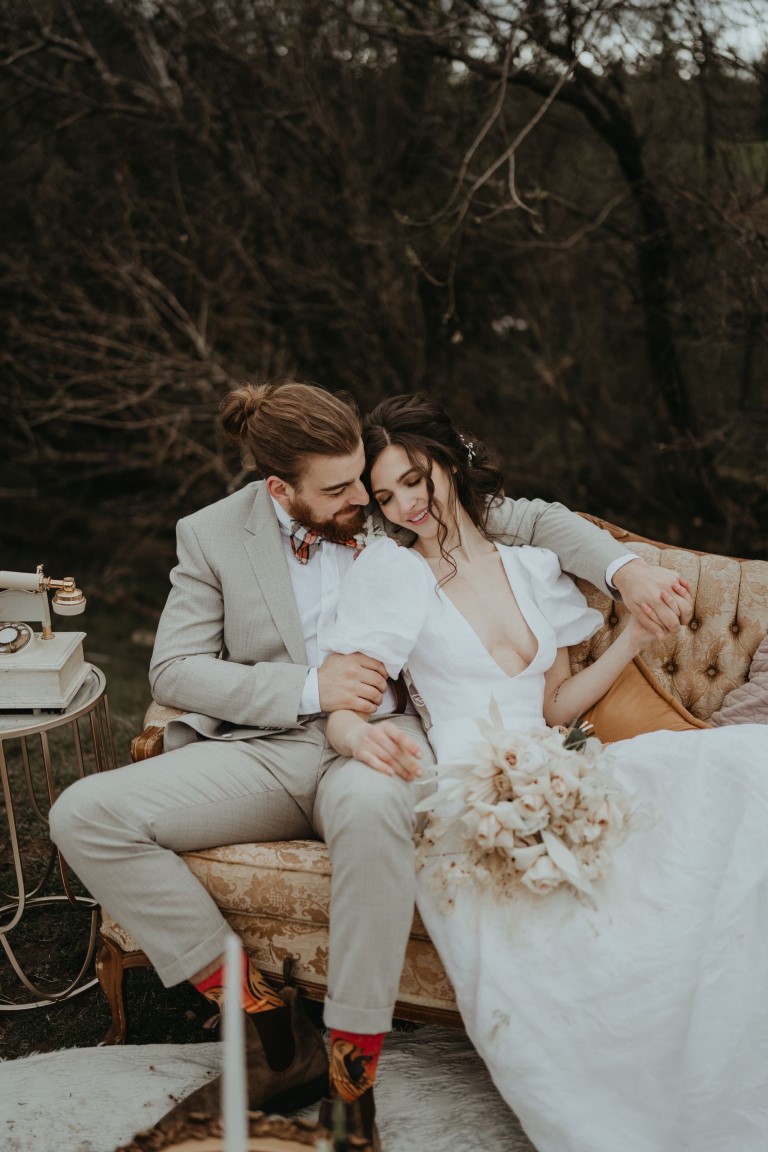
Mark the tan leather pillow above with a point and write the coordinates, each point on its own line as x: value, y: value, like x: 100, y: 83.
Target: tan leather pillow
x: 636, y: 704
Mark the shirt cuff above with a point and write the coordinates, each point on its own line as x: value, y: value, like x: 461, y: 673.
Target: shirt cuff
x: 614, y: 566
x: 309, y: 704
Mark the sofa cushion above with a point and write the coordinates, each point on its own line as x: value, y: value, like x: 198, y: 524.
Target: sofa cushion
x: 276, y: 896
x: 748, y: 704
x: 635, y: 703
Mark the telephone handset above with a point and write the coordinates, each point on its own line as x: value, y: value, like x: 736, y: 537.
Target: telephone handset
x: 39, y: 671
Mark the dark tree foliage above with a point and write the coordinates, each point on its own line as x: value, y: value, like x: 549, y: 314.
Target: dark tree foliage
x: 551, y: 216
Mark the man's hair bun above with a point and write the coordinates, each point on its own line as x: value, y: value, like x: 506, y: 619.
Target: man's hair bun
x: 239, y: 407
x: 282, y: 423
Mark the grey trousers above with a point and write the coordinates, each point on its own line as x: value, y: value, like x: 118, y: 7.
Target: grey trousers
x: 121, y: 831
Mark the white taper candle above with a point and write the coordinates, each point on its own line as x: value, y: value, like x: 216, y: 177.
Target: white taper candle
x: 235, y: 1103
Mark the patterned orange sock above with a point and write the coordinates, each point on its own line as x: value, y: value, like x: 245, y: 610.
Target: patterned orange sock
x: 354, y: 1059
x: 268, y: 1010
x: 257, y: 994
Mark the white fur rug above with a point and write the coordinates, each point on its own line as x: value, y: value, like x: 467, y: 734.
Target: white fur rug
x: 433, y: 1093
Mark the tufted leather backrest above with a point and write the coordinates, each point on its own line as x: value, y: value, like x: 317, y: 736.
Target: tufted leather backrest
x: 703, y: 662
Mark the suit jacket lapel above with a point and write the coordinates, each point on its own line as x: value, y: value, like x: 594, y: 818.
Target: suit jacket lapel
x: 266, y: 553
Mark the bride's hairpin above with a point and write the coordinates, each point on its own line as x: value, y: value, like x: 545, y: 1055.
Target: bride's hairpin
x: 470, y: 447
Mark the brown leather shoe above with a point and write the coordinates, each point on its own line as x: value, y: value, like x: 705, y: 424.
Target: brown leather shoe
x: 303, y: 1082
x: 359, y: 1118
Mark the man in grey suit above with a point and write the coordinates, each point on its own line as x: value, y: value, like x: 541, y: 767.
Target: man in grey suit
x: 240, y: 649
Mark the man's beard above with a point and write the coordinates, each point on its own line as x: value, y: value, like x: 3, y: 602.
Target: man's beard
x: 338, y: 529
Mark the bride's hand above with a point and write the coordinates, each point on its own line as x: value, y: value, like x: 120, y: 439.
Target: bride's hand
x: 386, y: 748
x: 640, y: 629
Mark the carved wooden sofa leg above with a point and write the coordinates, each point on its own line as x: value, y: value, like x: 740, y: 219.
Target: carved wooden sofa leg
x: 112, y: 963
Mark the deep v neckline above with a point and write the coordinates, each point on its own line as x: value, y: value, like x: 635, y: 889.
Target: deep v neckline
x: 473, y: 632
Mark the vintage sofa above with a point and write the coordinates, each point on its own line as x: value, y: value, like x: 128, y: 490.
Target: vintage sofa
x: 276, y: 896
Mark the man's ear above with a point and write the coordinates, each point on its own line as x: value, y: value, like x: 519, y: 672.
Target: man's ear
x: 280, y: 490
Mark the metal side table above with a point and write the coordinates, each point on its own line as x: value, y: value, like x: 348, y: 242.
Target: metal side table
x: 39, y: 755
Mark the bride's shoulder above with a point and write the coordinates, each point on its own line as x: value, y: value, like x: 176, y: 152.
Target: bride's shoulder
x: 385, y: 556
x: 387, y: 551
x: 541, y: 563
x: 556, y: 595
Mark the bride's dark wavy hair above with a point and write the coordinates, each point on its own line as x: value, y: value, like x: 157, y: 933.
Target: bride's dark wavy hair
x: 425, y: 431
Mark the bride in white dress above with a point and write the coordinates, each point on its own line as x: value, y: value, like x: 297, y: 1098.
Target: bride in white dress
x: 636, y: 1021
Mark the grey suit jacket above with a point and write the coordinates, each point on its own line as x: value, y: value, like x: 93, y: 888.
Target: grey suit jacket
x: 230, y: 650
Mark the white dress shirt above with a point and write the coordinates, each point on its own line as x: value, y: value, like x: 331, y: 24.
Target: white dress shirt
x: 614, y: 566
x: 316, y: 588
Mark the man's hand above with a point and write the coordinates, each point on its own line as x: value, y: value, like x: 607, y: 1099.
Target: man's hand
x: 355, y: 682
x: 388, y: 749
x: 656, y: 596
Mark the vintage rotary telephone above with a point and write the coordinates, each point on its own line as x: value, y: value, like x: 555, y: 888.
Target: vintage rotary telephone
x: 39, y: 671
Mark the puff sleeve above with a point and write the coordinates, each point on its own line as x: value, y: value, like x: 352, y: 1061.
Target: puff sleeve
x: 382, y: 605
x: 558, y: 599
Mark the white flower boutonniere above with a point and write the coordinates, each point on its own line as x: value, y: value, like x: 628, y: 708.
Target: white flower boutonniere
x: 372, y: 531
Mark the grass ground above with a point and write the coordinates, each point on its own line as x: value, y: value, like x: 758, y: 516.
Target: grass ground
x: 51, y: 942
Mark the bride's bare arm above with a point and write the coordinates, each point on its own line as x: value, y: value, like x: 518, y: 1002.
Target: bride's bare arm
x: 567, y: 696
x: 381, y: 745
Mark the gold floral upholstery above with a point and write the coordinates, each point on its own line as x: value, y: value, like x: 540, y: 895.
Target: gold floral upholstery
x: 276, y: 896
x: 703, y: 662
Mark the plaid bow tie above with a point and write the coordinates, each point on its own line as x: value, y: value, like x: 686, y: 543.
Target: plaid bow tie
x: 306, y: 541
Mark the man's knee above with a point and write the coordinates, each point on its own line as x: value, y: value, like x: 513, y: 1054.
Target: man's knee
x: 371, y: 803
x: 76, y: 810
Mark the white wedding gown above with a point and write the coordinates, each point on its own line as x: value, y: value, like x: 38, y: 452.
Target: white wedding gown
x: 639, y: 1024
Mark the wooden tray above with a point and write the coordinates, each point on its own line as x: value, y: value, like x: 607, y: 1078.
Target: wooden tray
x: 266, y: 1134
